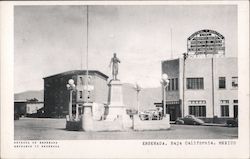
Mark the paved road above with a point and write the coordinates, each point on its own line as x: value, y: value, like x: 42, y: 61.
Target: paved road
x: 54, y: 129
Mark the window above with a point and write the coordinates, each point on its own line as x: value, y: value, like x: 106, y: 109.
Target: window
x: 176, y: 84
x: 224, y: 111
x: 224, y: 102
x: 80, y: 94
x: 235, y: 101
x: 81, y: 80
x: 173, y: 84
x: 198, y: 111
x: 235, y: 108
x: 195, y: 83
x: 235, y: 82
x: 222, y: 82
x: 168, y: 87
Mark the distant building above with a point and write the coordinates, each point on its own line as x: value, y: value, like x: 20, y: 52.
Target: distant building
x: 203, y: 83
x: 56, y: 95
x: 26, y: 107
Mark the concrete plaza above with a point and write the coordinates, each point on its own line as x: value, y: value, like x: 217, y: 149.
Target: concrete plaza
x: 54, y: 129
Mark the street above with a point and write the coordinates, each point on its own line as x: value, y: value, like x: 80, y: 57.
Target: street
x: 54, y: 129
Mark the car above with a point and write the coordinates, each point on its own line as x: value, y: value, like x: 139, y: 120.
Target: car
x: 189, y: 120
x: 151, y: 114
x: 232, y: 122
x: 145, y: 116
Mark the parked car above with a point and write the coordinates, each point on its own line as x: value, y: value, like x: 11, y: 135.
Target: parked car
x: 189, y: 120
x: 151, y: 114
x: 232, y: 122
x: 145, y: 116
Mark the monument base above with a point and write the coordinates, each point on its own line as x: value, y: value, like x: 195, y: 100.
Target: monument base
x: 114, y: 112
x: 116, y: 108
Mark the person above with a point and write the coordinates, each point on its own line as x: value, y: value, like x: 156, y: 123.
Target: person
x: 114, y: 61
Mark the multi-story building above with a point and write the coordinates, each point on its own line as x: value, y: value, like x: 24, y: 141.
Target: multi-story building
x: 56, y: 95
x: 203, y: 84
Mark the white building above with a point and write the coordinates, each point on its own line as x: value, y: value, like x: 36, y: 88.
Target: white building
x: 204, y: 84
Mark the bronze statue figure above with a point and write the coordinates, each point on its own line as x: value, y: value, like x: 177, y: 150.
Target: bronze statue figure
x: 114, y: 61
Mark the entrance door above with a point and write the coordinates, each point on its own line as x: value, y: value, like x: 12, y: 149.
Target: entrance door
x: 235, y: 111
x: 172, y: 113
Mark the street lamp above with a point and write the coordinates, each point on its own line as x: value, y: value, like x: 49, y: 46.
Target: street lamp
x: 165, y: 83
x: 138, y: 89
x: 71, y: 87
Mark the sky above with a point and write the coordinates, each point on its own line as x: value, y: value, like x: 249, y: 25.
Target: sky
x: 52, y: 39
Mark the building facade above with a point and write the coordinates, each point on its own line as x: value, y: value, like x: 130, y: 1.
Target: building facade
x: 27, y: 108
x: 208, y: 88
x: 56, y: 95
x: 203, y: 84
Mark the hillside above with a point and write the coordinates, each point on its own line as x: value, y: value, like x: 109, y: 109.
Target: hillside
x: 147, y: 96
x: 29, y: 95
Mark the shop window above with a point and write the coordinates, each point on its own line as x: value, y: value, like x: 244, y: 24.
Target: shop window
x: 224, y: 111
x: 222, y: 82
x: 195, y: 83
x: 197, y: 111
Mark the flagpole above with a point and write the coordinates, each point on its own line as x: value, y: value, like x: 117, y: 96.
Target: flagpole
x: 87, y: 60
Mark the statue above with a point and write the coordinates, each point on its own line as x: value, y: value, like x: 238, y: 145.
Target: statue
x: 114, y: 62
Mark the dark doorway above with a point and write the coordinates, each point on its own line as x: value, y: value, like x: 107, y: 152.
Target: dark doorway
x: 174, y: 111
x: 235, y: 111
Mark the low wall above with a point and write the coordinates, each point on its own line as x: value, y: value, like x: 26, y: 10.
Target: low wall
x: 120, y: 124
x: 151, y: 124
x: 88, y: 124
x: 104, y: 125
x: 93, y: 125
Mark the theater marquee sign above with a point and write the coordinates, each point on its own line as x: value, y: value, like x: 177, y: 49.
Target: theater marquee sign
x: 206, y: 42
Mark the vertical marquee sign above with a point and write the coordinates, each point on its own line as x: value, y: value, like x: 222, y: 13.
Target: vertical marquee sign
x: 206, y: 42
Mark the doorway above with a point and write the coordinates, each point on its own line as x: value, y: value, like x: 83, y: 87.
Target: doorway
x: 173, y: 111
x: 235, y: 111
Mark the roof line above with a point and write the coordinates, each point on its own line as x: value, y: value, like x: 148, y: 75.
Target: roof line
x: 77, y: 71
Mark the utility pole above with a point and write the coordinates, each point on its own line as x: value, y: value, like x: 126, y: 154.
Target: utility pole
x: 87, y: 57
x: 183, y: 83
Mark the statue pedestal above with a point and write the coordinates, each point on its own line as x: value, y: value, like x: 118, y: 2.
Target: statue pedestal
x: 87, y: 119
x: 116, y: 107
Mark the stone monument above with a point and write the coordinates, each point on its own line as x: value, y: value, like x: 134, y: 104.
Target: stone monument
x: 116, y: 107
